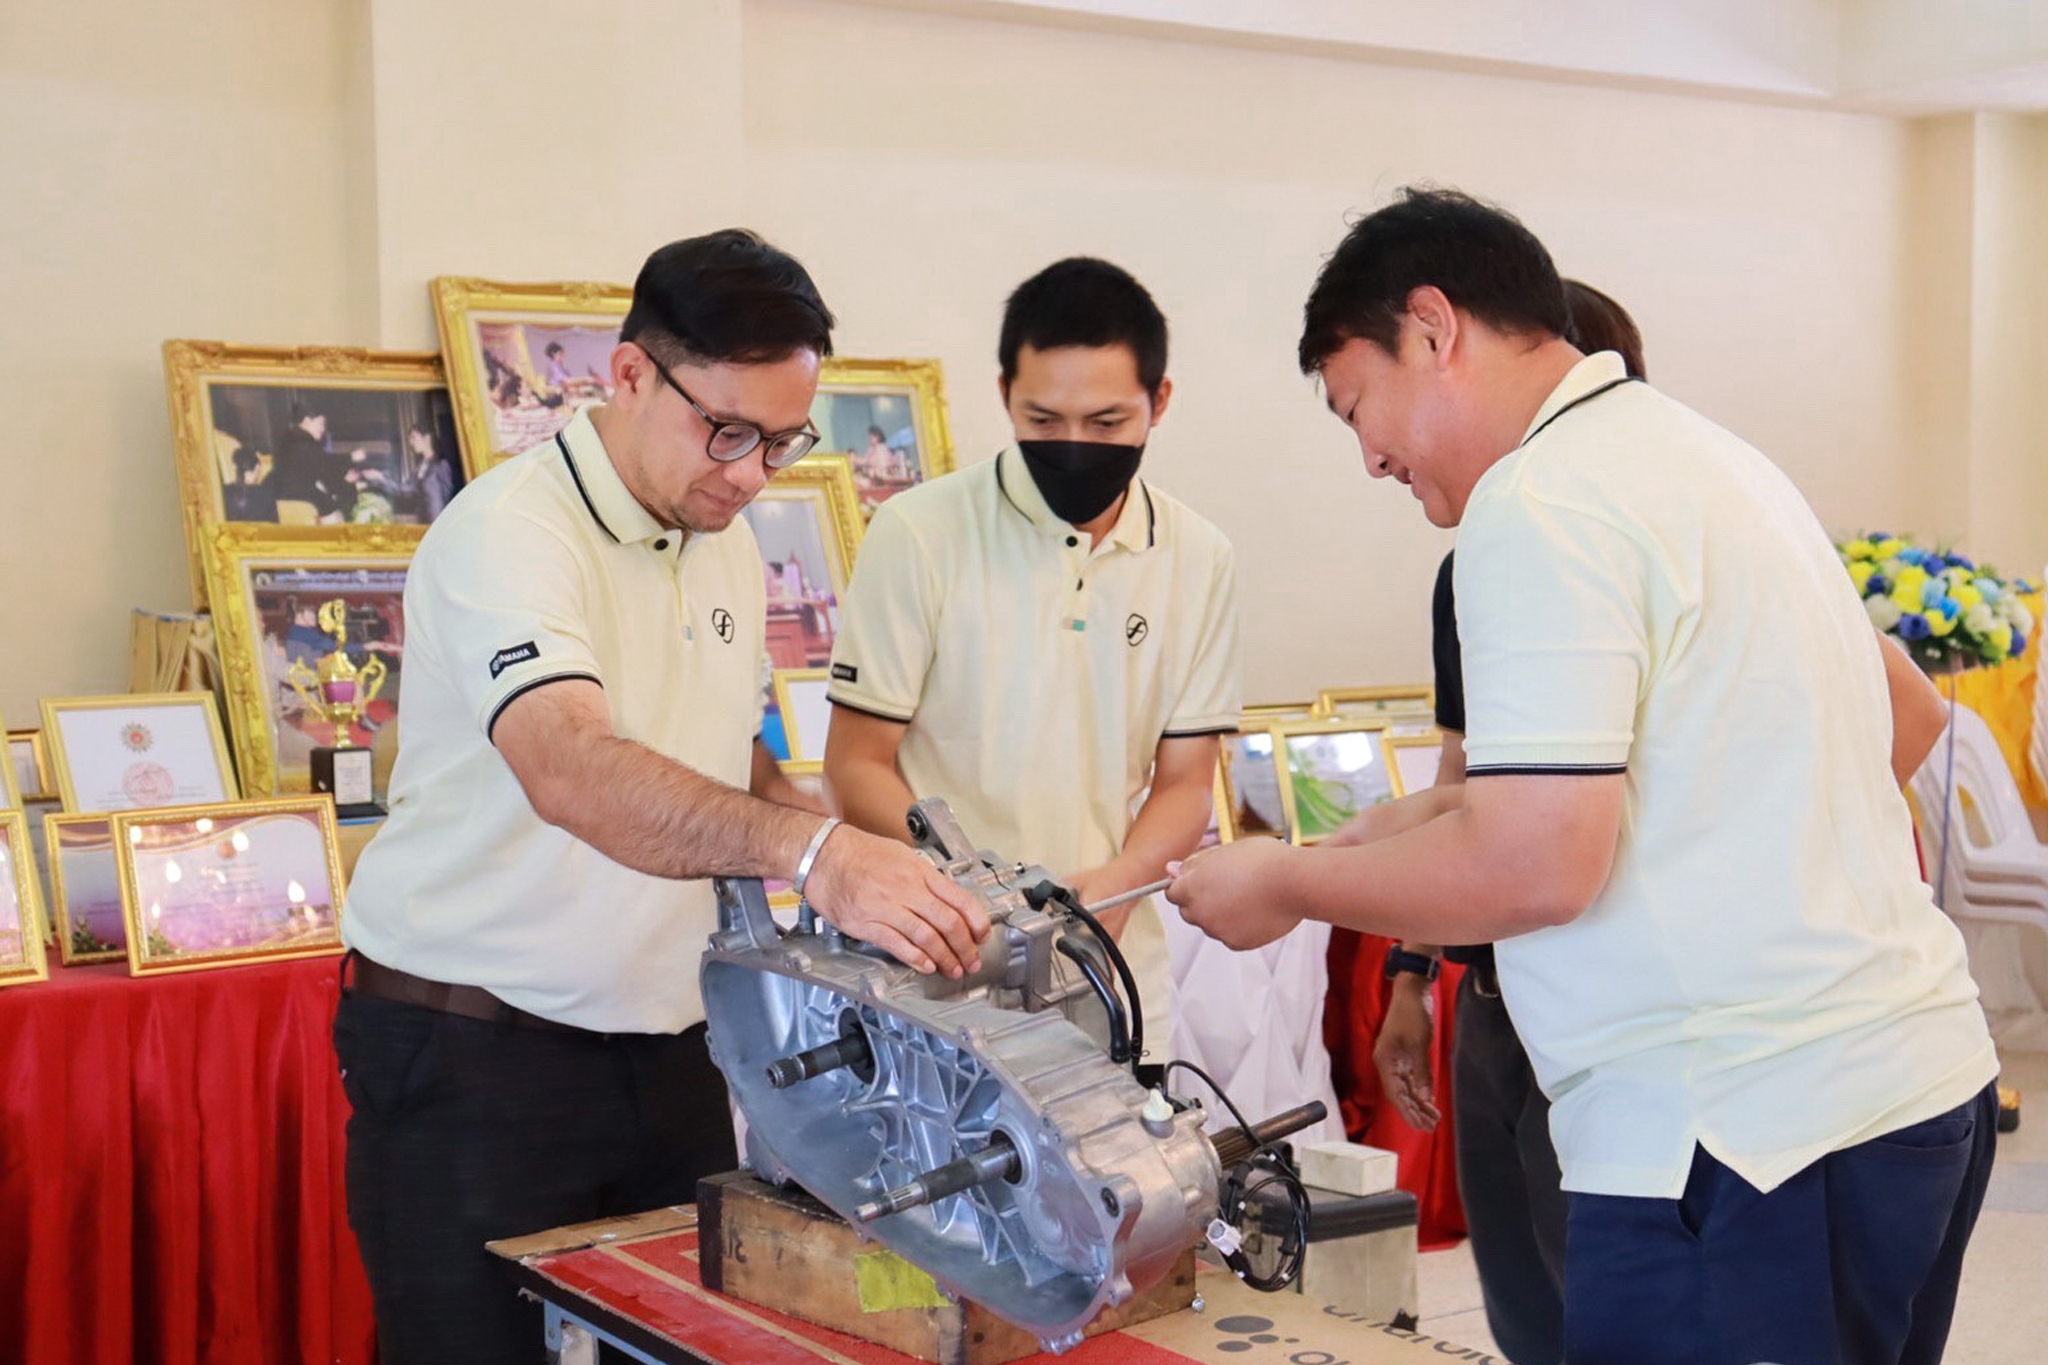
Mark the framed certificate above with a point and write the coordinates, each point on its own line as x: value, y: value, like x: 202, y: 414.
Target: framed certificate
x: 131, y: 752
x: 214, y: 886
x: 29, y: 764
x: 85, y: 888
x: 21, y: 919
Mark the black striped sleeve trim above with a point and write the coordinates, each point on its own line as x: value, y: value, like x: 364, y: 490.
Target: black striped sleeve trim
x: 869, y: 711
x: 1547, y: 770
x: 1229, y: 729
x: 516, y: 693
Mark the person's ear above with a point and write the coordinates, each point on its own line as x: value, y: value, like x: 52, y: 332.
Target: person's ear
x: 1434, y: 319
x: 631, y: 370
x: 1160, y: 400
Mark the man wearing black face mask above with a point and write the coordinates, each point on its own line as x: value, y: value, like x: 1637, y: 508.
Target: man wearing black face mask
x: 1040, y: 638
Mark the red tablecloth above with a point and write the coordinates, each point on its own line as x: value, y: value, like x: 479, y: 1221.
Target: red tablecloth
x: 171, y: 1171
x: 1357, y: 1002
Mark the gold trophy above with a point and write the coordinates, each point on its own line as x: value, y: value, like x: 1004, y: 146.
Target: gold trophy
x: 339, y: 693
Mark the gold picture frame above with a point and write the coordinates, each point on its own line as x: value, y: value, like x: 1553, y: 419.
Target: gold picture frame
x: 68, y: 838
x: 888, y: 418
x: 807, y: 518
x: 231, y: 415
x: 806, y: 751
x: 37, y: 752
x: 264, y: 580
x: 1279, y: 712
x: 510, y: 392
x: 22, y: 922
x: 1249, y: 801
x: 1314, y: 812
x: 1398, y: 700
x: 230, y: 915
x: 85, y: 779
x: 12, y: 797
x: 1394, y: 745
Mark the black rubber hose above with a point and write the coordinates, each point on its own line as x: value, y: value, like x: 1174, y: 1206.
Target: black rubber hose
x: 1119, y: 1025
x: 1053, y: 891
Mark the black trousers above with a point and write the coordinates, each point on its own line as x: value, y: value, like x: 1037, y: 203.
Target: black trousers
x: 1509, y: 1181
x: 466, y: 1131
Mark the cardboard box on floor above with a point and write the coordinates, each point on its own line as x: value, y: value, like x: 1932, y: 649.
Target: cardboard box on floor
x: 1240, y: 1326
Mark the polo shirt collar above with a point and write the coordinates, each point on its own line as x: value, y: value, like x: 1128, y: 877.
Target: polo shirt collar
x: 1602, y: 367
x: 617, y: 512
x: 1136, y: 527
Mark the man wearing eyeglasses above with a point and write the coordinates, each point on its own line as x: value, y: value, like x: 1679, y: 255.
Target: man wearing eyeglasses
x: 521, y: 1034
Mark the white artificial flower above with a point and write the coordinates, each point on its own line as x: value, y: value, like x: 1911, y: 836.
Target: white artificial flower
x: 2016, y: 614
x: 1884, y: 613
x: 1980, y: 619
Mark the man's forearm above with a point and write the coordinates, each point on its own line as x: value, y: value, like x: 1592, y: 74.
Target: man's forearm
x: 872, y: 796
x: 1169, y: 826
x: 665, y: 819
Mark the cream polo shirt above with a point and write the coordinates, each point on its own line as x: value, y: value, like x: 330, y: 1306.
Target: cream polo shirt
x: 547, y: 568
x: 1037, y: 676
x: 1764, y: 973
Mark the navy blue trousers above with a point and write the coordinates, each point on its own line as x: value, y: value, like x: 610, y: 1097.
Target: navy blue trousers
x: 1854, y: 1261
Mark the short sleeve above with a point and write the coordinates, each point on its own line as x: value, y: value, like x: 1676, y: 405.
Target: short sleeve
x: 888, y: 623
x: 1445, y: 652
x: 1214, y: 691
x: 504, y: 597
x: 1551, y: 606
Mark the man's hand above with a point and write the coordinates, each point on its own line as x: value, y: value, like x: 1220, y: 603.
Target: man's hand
x: 1234, y: 893
x: 891, y: 896
x: 1401, y: 1054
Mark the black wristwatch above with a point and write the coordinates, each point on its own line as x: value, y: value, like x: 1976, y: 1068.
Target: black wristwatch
x: 1401, y: 960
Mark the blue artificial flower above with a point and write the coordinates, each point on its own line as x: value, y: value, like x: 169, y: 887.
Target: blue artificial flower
x: 1876, y: 536
x: 1913, y: 554
x: 1932, y: 592
x: 1949, y: 606
x: 1913, y: 626
x: 1934, y: 563
x: 1989, y: 588
x: 1878, y: 586
x: 1961, y: 562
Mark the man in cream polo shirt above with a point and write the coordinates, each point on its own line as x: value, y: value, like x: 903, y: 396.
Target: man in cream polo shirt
x: 521, y: 1034
x: 1045, y: 637
x: 1770, y: 1079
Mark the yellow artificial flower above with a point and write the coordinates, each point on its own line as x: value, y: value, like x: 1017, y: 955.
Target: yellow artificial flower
x: 1939, y: 621
x: 1860, y: 548
x: 1888, y: 547
x: 1861, y: 570
x: 1967, y: 595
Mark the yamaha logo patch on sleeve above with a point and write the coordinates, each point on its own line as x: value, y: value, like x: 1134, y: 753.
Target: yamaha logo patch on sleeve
x: 845, y: 673
x: 518, y: 654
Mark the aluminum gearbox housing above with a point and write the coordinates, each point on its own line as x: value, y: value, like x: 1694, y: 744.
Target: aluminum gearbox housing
x: 977, y: 1127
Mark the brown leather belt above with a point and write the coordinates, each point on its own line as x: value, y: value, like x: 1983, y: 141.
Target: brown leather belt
x: 361, y: 976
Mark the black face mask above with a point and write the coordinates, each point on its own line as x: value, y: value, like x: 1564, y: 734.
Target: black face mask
x: 1080, y: 479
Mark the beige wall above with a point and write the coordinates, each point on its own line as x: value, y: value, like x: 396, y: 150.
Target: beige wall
x: 299, y: 177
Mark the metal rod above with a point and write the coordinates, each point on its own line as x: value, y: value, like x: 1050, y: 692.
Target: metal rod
x: 1235, y: 1144
x: 851, y: 1050
x: 1127, y: 897
x: 997, y: 1161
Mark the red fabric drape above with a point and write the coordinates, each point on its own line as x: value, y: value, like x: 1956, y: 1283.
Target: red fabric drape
x: 171, y: 1171
x: 1351, y: 1021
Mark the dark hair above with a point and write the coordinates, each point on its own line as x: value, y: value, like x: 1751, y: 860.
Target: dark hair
x: 554, y: 348
x: 1082, y: 301
x: 726, y: 298
x: 1598, y: 323
x: 1480, y: 256
x: 878, y: 433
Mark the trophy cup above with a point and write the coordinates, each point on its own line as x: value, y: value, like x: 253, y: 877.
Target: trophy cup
x: 339, y: 693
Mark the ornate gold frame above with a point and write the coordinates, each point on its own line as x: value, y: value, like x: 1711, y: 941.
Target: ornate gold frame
x: 926, y: 385
x: 190, y: 366
x: 1375, y: 725
x: 21, y: 858
x: 67, y: 790
x: 40, y: 753
x: 59, y: 908
x: 1375, y: 701
x: 11, y: 795
x: 319, y: 804
x: 1389, y: 742
x: 1226, y: 788
x: 232, y: 549
x: 458, y: 299
x: 799, y: 761
x: 829, y: 478
x: 1279, y: 712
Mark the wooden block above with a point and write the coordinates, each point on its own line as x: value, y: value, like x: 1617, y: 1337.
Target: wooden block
x: 783, y: 1250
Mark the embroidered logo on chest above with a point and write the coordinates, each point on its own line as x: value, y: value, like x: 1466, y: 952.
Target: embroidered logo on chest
x: 721, y: 621
x: 1136, y: 628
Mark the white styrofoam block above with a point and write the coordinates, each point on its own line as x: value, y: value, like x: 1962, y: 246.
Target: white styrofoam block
x: 1347, y: 1167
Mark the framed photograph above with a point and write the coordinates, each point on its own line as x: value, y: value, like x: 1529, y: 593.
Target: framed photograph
x: 804, y: 715
x: 1412, y: 759
x: 271, y: 588
x: 524, y: 358
x: 1251, y: 802
x: 144, y: 749
x: 1408, y: 699
x: 808, y: 526
x: 888, y: 417
x: 29, y: 766
x: 21, y: 916
x: 255, y: 881
x: 1329, y: 772
x: 85, y: 888
x: 307, y: 435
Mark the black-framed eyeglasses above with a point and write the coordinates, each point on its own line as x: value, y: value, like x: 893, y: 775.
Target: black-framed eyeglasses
x: 736, y: 440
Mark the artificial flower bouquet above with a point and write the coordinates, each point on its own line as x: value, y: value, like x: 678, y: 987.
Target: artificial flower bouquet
x: 1945, y: 610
